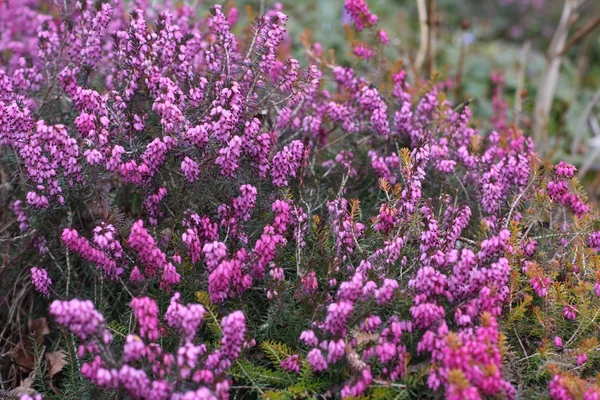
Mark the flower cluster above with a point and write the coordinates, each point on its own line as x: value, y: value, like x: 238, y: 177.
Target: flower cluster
x: 41, y: 281
x: 147, y: 371
x: 413, y: 245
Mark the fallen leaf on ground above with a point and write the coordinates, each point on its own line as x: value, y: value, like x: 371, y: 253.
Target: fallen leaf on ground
x: 38, y: 327
x: 56, y: 361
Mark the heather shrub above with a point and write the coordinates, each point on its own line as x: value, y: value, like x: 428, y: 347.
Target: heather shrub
x: 198, y: 215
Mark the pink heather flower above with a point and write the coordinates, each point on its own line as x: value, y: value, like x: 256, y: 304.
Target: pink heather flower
x: 495, y: 245
x: 232, y: 16
x: 37, y: 201
x: 582, y: 358
x: 577, y: 205
x: 360, y: 385
x: 594, y: 241
x: 335, y: 350
x: 360, y: 14
x: 190, y: 170
x: 558, y: 342
x: 270, y: 36
x: 170, y: 277
x: 257, y: 146
x: 39, y: 242
x: 136, y: 276
x: 337, y: 316
x: 392, y: 249
x: 185, y: 319
x: 529, y: 247
x: 346, y: 230
x: 363, y: 51
x: 469, y: 352
x: 385, y: 219
x: 287, y: 162
x: 203, y: 375
x: 134, y: 381
x: 214, y: 253
x: 593, y: 393
x: 309, y: 283
x: 265, y: 250
x: 155, y: 155
x: 289, y: 75
x: 569, y: 312
x: 229, y: 156
x: 234, y: 329
x: 385, y: 293
x: 426, y: 314
x: 79, y: 316
x: 383, y: 37
x: 351, y: 290
x: 292, y: 363
x: 384, y: 166
x: 187, y: 358
x: 198, y: 135
x: 565, y: 170
x: 344, y: 158
x: 281, y: 210
x: 93, y: 157
x: 276, y: 273
x: 134, y: 348
x: 370, y: 101
x: 229, y: 278
x: 309, y: 338
x: 200, y: 230
x: 22, y: 218
x: 152, y: 204
x: 316, y: 360
x: 558, y: 389
x: 558, y: 191
x: 41, y: 281
x: 368, y: 290
x: 246, y: 202
x: 146, y: 312
x: 115, y: 159
x: 429, y: 281
x: 540, y: 285
x: 105, y: 262
x: 104, y: 238
x: 370, y: 323
x: 151, y: 256
x: 31, y: 397
x: 386, y: 352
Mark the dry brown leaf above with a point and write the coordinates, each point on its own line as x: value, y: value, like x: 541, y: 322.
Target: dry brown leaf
x: 22, y: 353
x: 384, y: 185
x: 38, y: 327
x: 25, y: 387
x: 56, y: 361
x: 364, y: 337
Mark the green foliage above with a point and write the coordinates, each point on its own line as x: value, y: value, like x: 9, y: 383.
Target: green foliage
x: 211, y: 317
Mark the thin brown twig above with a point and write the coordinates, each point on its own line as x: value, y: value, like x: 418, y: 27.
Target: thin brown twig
x: 581, y: 33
